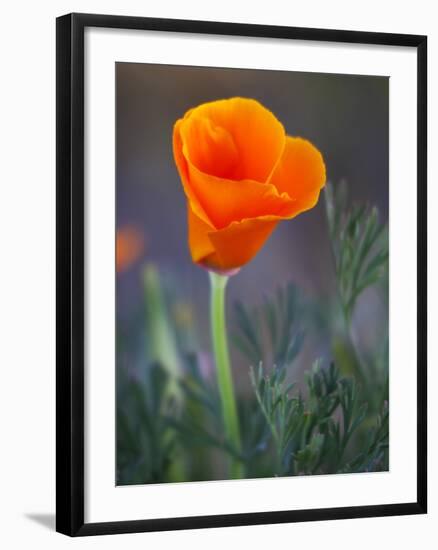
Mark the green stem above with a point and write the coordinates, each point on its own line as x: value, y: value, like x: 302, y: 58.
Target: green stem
x: 161, y: 339
x: 223, y: 369
x: 346, y: 314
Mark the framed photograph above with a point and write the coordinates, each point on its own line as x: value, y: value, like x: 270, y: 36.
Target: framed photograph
x: 241, y: 274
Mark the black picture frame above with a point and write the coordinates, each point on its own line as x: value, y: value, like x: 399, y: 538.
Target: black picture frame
x: 70, y: 273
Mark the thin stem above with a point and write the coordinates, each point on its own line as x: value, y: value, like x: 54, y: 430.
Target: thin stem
x: 346, y: 313
x: 223, y: 368
x: 271, y: 424
x: 265, y: 413
x: 162, y: 344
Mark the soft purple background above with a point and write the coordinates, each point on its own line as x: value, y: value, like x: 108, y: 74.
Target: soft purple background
x: 345, y: 116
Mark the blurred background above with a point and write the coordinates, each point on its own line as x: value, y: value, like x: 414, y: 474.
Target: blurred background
x: 345, y: 116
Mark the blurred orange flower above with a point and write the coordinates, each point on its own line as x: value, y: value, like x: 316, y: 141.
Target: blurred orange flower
x: 241, y: 175
x: 129, y: 247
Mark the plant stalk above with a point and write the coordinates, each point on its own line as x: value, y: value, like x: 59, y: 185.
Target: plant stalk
x: 223, y: 369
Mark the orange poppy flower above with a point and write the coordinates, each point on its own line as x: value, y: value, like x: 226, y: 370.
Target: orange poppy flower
x: 129, y: 247
x: 242, y: 175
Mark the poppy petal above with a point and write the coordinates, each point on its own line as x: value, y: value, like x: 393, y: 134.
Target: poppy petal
x: 255, y: 133
x: 238, y: 243
x: 231, y: 247
x: 300, y: 173
x: 209, y: 147
x: 183, y: 171
x: 199, y: 241
x: 225, y: 201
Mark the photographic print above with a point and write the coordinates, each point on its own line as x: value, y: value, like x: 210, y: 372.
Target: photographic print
x: 251, y: 274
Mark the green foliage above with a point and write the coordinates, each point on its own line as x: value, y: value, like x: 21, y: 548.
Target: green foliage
x: 294, y: 420
x: 277, y: 320
x: 145, y: 442
x: 248, y: 341
x: 285, y: 433
x: 200, y: 422
x: 312, y: 435
x: 160, y: 334
x: 360, y: 251
x: 284, y: 415
x: 375, y: 456
x: 359, y: 243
